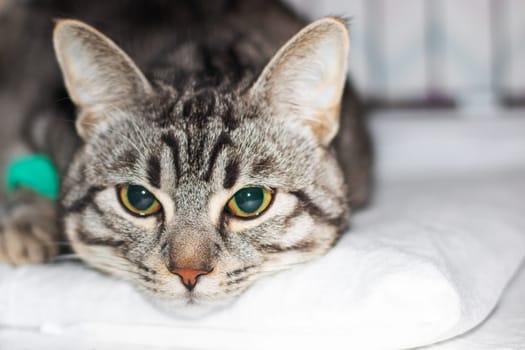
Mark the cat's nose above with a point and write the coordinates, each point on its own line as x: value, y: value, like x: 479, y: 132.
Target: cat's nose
x: 189, y: 277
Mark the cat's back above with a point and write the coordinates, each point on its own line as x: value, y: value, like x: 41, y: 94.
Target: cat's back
x: 211, y: 41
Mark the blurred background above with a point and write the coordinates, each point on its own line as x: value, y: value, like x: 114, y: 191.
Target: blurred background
x: 467, y: 54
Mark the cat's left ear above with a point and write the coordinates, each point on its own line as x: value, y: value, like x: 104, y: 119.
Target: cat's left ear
x: 305, y: 79
x: 99, y: 76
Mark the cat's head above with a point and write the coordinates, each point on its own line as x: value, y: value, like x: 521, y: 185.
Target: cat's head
x: 195, y: 194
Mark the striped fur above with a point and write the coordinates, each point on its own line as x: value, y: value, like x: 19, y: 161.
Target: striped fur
x: 199, y: 125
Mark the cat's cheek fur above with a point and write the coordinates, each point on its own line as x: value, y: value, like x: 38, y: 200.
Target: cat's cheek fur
x: 306, y: 241
x: 96, y: 255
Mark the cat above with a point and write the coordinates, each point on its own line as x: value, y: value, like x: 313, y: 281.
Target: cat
x: 220, y: 144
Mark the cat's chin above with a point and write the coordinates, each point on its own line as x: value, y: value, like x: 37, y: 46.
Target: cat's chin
x: 188, y: 308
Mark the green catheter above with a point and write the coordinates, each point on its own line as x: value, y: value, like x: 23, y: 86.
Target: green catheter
x: 35, y: 172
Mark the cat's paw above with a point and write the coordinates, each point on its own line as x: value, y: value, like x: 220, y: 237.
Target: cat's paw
x: 25, y: 244
x: 28, y: 232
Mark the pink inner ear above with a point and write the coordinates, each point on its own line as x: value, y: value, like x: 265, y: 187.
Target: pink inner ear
x: 99, y: 76
x: 95, y: 69
x: 305, y: 80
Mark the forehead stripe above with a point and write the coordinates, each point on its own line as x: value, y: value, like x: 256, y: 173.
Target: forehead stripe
x: 231, y: 173
x: 170, y: 141
x: 222, y: 141
x: 154, y: 171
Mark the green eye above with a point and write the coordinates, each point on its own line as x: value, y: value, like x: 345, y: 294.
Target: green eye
x: 249, y: 202
x: 138, y: 200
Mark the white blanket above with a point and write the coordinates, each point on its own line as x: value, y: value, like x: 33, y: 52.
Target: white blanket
x: 503, y: 330
x: 428, y: 261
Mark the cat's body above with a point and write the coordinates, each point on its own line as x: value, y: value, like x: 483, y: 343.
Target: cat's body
x: 193, y: 130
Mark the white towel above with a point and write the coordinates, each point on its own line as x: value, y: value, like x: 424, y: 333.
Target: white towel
x: 429, y: 260
x: 503, y: 330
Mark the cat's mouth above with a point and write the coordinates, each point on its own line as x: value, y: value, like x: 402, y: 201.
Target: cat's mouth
x: 172, y: 297
x: 189, y: 306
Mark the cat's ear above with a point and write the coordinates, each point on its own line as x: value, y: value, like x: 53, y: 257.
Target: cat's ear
x: 305, y: 79
x: 99, y: 76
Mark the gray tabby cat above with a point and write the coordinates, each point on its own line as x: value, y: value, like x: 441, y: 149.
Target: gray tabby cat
x: 206, y: 159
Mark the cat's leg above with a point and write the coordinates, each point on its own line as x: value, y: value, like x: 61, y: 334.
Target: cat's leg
x: 35, y: 119
x: 28, y: 228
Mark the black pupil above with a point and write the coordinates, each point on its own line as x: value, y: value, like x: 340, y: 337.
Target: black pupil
x: 140, y: 198
x: 249, y: 200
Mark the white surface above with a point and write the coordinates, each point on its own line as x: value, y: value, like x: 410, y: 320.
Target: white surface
x: 503, y: 330
x: 427, y: 261
x: 425, y: 145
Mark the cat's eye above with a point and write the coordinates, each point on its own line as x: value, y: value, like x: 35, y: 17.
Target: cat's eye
x: 249, y: 202
x: 138, y: 200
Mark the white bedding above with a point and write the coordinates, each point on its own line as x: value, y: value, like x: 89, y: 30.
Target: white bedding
x: 428, y: 261
x: 503, y: 330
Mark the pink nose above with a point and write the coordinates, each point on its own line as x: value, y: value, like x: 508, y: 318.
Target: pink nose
x: 189, y: 277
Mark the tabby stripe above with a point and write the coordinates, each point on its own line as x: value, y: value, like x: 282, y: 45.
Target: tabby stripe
x: 148, y: 279
x: 103, y: 217
x: 149, y: 288
x: 302, y: 246
x: 234, y: 289
x: 110, y: 225
x: 153, y: 171
x: 263, y: 165
x: 222, y: 141
x: 141, y: 266
x: 199, y: 151
x: 231, y: 173
x: 189, y: 160
x: 160, y: 230
x: 145, y: 268
x: 97, y: 209
x: 237, y: 281
x: 164, y: 247
x: 86, y: 238
x: 229, y: 120
x: 80, y: 204
x: 170, y: 140
x: 316, y: 211
x: 222, y: 227
x: 128, y: 157
x: 165, y: 115
x: 299, y: 209
x: 239, y: 271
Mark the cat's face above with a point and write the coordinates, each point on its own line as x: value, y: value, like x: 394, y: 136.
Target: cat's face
x: 195, y: 195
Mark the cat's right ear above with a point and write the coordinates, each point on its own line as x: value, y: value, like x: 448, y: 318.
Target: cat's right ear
x: 99, y: 76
